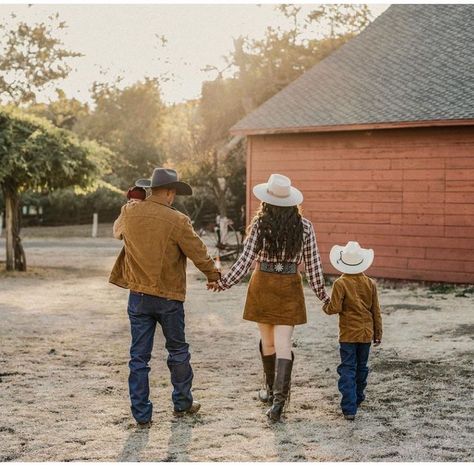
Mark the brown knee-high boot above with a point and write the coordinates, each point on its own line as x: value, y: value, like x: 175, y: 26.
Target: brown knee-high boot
x: 281, y: 387
x: 266, y: 395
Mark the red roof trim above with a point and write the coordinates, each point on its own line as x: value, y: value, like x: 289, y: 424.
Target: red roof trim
x: 351, y: 127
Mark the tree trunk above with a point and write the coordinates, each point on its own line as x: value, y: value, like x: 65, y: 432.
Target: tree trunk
x: 20, y: 258
x: 219, y: 189
x: 10, y: 248
x: 14, y: 249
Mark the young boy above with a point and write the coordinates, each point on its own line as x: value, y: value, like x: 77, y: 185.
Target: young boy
x: 136, y: 194
x: 354, y: 297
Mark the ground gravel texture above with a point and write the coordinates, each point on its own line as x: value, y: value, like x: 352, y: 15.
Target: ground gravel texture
x: 64, y: 340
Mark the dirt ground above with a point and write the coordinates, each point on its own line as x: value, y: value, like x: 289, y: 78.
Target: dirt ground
x: 64, y: 340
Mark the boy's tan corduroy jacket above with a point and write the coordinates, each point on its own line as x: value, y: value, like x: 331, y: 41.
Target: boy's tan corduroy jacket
x: 157, y: 239
x: 355, y: 298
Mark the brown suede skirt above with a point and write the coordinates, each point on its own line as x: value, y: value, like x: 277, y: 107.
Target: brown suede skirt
x: 274, y: 298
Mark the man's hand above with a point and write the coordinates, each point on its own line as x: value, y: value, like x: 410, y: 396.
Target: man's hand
x: 213, y: 286
x: 377, y: 342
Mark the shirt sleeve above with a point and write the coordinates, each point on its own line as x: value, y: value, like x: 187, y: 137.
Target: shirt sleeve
x: 314, y: 271
x: 243, y: 263
x: 375, y: 310
x: 337, y: 297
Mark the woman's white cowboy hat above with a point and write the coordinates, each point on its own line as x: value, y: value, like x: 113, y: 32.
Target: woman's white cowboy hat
x: 278, y: 191
x: 351, y: 258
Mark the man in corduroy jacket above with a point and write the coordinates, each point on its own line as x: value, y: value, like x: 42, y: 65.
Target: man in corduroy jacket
x: 158, y: 239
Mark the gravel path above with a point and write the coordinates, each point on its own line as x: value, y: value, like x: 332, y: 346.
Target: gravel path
x: 64, y: 340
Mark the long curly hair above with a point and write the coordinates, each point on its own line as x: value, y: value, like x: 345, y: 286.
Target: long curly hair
x: 279, y: 230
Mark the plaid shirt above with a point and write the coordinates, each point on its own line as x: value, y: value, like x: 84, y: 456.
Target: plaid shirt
x: 309, y: 252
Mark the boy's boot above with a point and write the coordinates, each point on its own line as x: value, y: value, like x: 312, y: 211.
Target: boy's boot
x: 281, y: 388
x: 266, y: 394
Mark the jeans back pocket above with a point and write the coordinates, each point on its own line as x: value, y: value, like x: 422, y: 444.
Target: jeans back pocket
x: 135, y: 303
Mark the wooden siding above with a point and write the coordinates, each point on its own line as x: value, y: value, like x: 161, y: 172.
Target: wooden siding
x: 406, y: 193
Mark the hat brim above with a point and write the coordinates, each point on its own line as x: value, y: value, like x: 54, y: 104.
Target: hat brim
x: 182, y: 189
x: 295, y: 198
x: 367, y: 260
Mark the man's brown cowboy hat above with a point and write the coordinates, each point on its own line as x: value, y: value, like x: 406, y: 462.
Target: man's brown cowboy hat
x: 165, y: 178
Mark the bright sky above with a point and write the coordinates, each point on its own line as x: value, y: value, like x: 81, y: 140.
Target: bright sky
x: 120, y: 40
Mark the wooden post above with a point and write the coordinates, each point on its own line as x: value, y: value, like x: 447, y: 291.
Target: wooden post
x: 223, y: 224
x: 95, y: 223
x: 1, y: 224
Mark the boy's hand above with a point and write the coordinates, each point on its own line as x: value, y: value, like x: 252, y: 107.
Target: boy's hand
x: 377, y: 342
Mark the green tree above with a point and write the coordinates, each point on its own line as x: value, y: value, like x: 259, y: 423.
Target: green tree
x: 35, y: 155
x: 62, y: 112
x: 261, y: 68
x: 256, y: 70
x: 189, y: 150
x: 31, y: 57
x: 128, y: 121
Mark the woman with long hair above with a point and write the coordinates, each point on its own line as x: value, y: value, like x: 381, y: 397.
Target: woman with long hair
x: 279, y: 238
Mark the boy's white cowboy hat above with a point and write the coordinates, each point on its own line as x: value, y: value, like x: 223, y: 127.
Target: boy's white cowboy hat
x: 351, y: 258
x: 278, y: 191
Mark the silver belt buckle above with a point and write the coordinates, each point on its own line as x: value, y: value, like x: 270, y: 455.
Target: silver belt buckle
x: 278, y: 267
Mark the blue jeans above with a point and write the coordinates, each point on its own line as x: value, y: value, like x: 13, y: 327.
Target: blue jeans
x: 144, y: 312
x: 353, y: 372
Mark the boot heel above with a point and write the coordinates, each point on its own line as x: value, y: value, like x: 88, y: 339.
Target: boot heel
x: 274, y: 413
x: 265, y: 397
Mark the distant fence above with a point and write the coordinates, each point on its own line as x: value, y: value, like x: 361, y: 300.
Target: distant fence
x: 56, y: 215
x: 75, y: 218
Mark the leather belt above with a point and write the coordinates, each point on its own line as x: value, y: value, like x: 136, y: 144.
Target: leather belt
x: 282, y: 268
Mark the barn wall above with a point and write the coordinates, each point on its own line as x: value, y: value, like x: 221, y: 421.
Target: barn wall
x: 408, y: 194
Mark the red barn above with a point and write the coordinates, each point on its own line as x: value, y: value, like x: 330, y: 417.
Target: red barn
x: 379, y: 136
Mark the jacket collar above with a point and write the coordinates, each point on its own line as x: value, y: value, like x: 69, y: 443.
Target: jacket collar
x: 158, y: 200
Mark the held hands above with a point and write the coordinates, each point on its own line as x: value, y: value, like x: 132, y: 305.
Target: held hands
x: 213, y: 286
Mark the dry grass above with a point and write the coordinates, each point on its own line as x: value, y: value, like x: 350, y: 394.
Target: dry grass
x: 64, y: 340
x: 66, y: 231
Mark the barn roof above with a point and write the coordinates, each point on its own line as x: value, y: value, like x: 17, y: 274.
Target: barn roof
x: 412, y: 65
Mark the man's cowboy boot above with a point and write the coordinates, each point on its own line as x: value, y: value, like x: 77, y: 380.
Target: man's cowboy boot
x: 266, y: 394
x: 144, y: 424
x: 193, y: 409
x: 281, y: 387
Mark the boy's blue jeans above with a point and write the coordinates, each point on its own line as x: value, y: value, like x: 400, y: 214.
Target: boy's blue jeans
x: 353, y: 372
x: 144, y: 312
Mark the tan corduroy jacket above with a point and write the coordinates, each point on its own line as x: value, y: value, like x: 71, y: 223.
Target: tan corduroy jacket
x: 355, y: 298
x: 157, y: 239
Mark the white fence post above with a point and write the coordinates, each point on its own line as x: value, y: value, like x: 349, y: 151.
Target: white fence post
x: 95, y: 223
x: 224, y: 228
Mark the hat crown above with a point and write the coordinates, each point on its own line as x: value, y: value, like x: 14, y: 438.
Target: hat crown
x: 163, y: 176
x: 352, y: 253
x: 279, y: 185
